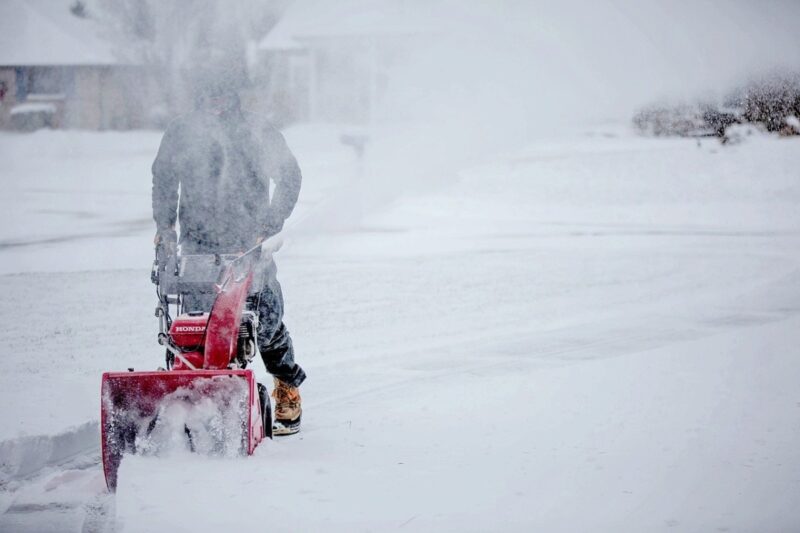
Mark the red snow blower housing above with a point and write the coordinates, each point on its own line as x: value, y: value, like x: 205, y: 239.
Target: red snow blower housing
x: 205, y: 399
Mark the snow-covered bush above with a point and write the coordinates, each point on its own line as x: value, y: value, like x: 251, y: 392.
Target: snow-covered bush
x: 663, y: 120
x: 771, y: 103
x: 774, y: 102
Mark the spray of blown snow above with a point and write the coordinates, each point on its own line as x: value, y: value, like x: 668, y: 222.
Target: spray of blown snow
x: 208, y: 417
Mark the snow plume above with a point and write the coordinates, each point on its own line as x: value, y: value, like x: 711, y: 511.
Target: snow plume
x: 456, y: 81
x: 209, y: 417
x: 182, y: 40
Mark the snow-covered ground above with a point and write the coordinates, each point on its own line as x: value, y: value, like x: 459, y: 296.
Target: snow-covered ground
x: 598, y: 332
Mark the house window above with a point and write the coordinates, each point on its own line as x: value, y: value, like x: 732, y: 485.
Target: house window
x: 47, y: 80
x: 53, y: 82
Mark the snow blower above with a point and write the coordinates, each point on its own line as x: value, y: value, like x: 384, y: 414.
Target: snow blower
x: 204, y: 399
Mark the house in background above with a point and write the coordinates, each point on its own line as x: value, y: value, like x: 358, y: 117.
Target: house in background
x: 56, y: 70
x: 331, y: 61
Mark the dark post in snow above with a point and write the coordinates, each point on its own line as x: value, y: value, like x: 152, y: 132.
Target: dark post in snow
x: 358, y: 142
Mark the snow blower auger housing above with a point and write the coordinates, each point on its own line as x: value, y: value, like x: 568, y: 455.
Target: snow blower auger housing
x: 205, y: 394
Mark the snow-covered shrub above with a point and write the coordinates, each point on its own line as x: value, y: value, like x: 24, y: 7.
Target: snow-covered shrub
x: 773, y: 102
x: 663, y: 120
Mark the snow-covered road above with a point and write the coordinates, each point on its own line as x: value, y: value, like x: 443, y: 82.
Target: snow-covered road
x: 598, y: 333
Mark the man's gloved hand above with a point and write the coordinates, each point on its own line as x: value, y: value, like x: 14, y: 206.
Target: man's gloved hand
x: 274, y: 226
x: 168, y: 239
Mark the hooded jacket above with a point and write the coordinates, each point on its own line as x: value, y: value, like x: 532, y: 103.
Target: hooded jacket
x: 212, y: 174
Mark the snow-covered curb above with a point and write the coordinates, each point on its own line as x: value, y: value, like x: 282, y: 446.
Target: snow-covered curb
x: 24, y: 456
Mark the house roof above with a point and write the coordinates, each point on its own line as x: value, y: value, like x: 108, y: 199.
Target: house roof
x: 305, y: 20
x: 46, y: 33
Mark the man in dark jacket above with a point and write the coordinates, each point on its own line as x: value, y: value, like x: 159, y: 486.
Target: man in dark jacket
x: 223, y: 163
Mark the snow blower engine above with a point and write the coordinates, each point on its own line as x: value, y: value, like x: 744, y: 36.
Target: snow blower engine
x: 204, y: 399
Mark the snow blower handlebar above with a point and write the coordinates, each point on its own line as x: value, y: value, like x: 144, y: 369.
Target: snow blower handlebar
x: 167, y: 258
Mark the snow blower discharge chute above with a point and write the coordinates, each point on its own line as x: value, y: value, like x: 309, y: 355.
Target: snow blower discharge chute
x: 205, y: 399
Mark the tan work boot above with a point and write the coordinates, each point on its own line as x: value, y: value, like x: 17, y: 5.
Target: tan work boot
x: 287, y: 409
